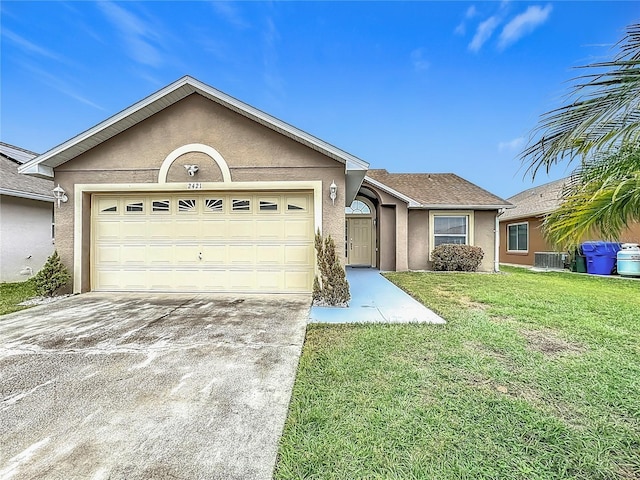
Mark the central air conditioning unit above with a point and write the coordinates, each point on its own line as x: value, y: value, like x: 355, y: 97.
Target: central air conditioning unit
x: 554, y: 260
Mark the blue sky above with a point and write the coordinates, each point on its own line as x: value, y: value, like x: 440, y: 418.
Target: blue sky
x: 407, y: 86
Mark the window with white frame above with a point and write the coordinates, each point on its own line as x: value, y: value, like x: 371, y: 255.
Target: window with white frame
x: 451, y: 228
x: 518, y: 237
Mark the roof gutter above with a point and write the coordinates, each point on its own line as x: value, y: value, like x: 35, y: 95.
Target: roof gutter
x: 496, y: 250
x: 27, y: 195
x: 459, y: 207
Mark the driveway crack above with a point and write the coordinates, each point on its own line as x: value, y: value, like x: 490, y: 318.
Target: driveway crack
x: 162, y: 317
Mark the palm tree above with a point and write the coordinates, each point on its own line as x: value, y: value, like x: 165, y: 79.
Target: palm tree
x: 600, y: 199
x: 601, y: 126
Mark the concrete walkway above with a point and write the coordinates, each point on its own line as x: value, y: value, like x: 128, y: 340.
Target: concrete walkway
x: 374, y: 299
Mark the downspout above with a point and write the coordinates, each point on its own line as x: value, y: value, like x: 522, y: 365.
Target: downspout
x: 496, y: 252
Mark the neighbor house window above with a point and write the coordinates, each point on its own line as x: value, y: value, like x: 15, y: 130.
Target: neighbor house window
x: 518, y: 237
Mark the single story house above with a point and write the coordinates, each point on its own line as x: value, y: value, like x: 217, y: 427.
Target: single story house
x: 521, y: 227
x: 26, y: 217
x: 193, y: 190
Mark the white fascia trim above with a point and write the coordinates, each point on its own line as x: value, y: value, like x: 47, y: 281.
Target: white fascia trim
x: 105, y: 124
x: 28, y: 195
x: 36, y: 170
x: 506, y: 218
x: 351, y: 162
x: 391, y: 191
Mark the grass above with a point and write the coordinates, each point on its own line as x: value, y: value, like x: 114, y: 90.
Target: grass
x: 535, y: 376
x: 11, y: 294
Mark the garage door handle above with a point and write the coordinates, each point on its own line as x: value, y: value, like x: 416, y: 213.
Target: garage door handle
x: 200, y: 256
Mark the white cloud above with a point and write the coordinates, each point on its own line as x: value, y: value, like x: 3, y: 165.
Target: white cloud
x: 511, y: 145
x: 138, y: 35
x: 484, y: 32
x: 227, y: 11
x: 523, y: 24
x: 65, y: 86
x: 418, y: 60
x: 471, y: 12
x: 28, y: 46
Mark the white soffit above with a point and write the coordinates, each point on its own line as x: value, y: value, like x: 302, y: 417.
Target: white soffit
x: 161, y: 100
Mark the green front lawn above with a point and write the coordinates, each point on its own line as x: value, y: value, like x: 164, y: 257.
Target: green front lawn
x: 535, y: 376
x: 11, y: 294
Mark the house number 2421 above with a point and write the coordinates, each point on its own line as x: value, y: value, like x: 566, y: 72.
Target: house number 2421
x: 194, y: 185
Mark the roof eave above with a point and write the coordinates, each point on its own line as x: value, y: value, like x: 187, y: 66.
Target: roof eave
x: 461, y: 207
x: 401, y: 196
x: 161, y: 100
x: 36, y: 170
x: 526, y: 215
x: 28, y: 195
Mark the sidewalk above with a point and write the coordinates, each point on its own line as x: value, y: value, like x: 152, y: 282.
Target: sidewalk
x: 374, y: 299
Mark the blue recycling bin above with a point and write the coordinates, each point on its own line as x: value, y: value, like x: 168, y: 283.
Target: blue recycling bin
x: 601, y: 257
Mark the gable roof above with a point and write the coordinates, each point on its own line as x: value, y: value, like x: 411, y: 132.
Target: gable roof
x: 44, y: 164
x: 435, y: 190
x: 536, y: 201
x: 13, y: 183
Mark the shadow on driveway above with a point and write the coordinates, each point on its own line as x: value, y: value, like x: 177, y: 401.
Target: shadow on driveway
x: 148, y: 386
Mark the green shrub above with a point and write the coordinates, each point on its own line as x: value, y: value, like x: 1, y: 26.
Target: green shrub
x: 456, y: 258
x: 332, y: 287
x: 53, y: 276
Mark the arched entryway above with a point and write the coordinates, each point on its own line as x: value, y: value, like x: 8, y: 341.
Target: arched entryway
x: 360, y: 233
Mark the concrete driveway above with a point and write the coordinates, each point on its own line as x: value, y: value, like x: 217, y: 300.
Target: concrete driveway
x: 147, y: 386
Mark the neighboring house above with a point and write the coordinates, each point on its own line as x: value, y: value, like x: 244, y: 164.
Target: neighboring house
x: 26, y: 217
x: 521, y: 227
x: 193, y: 190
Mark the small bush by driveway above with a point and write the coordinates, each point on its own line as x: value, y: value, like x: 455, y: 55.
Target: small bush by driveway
x: 138, y: 387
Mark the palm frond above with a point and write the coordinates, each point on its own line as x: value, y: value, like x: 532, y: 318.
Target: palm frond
x: 603, y: 112
x: 601, y: 198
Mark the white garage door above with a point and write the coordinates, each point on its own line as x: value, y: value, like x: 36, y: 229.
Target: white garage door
x: 209, y: 242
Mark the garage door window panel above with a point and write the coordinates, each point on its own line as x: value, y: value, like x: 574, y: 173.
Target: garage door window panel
x: 134, y: 206
x: 187, y: 205
x: 161, y: 206
x: 241, y: 205
x: 268, y: 205
x: 213, y: 205
x: 108, y: 205
x: 297, y: 204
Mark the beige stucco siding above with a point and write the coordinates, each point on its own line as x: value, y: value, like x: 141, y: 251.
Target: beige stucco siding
x: 25, y: 237
x: 484, y: 237
x: 253, y: 153
x: 419, y: 239
x: 386, y: 230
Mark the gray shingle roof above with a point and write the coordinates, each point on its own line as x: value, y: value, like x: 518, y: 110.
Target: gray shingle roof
x: 15, y: 184
x: 438, y: 189
x: 536, y: 201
